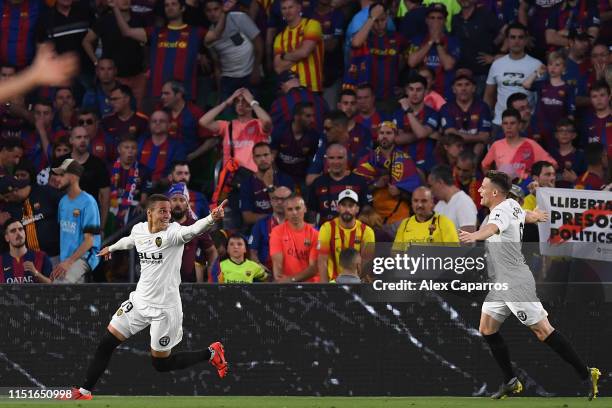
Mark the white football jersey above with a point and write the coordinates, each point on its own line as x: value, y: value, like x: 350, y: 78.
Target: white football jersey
x: 160, y: 256
x: 510, y: 219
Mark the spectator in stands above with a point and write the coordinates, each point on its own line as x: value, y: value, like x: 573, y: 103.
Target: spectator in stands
x: 358, y: 21
x: 299, y: 47
x: 65, y: 25
x: 555, y: 97
x: 348, y: 105
x: 322, y: 200
x: 259, y: 240
x: 36, y: 207
x: 597, y: 125
x: 508, y: 73
x: 293, y: 92
x: 98, y: 98
x: 158, y: 151
x: 367, y: 114
x: 237, y: 267
x: 22, y: 264
x: 577, y: 67
x: 332, y: 20
x: 254, y: 191
x: 350, y: 267
x: 79, y: 220
x: 527, y: 127
x: 162, y: 49
x: 425, y: 226
x: 15, y: 115
x: 412, y: 22
x: 534, y: 14
x: 390, y: 188
x: 514, y: 154
x: 432, y: 98
x: 180, y: 172
x: 480, y: 33
x: 94, y: 178
x: 569, y: 158
x: 239, y: 50
x: 344, y: 231
x: 200, y: 253
x: 293, y: 247
x: 59, y: 149
x: 581, y: 16
x: 295, y: 144
x: 436, y: 50
x: 466, y: 179
x: 124, y: 120
x: 17, y: 38
x: 376, y: 55
x: 466, y: 115
x: 130, y: 183
x: 418, y: 123
x: 595, y: 176
x: 11, y: 152
x: 543, y: 174
x: 600, y: 60
x: 37, y: 142
x: 101, y: 144
x: 452, y: 201
x: 336, y: 131
x: 64, y: 105
x: 127, y: 53
x: 239, y: 135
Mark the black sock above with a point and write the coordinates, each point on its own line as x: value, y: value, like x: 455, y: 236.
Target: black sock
x: 100, y: 361
x: 559, y: 343
x: 501, y: 354
x: 178, y: 361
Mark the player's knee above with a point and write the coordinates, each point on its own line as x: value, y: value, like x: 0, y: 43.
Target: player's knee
x: 161, y: 364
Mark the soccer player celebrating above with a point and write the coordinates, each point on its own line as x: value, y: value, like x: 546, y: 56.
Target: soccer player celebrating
x: 503, y: 231
x: 156, y: 300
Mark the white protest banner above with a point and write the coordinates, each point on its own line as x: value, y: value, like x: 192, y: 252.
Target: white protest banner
x: 579, y: 225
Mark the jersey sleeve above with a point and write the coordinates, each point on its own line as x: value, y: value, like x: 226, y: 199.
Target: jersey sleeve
x: 312, y: 31
x: 431, y: 119
x: 314, y: 252
x: 259, y: 274
x: 255, y: 237
x: 485, y: 119
x: 447, y: 120
x: 46, y: 266
x: 246, y: 196
x: 489, y: 158
x: 276, y: 243
x: 541, y: 154
x: 324, y: 238
x: 501, y: 217
x: 91, y: 218
x: 278, y: 46
x: 368, y: 236
x: 491, y: 76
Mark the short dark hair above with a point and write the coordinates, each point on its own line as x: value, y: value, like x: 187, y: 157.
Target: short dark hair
x: 124, y: 89
x: 364, y: 85
x: 338, y: 117
x: 176, y: 163
x: 467, y: 154
x: 176, y: 86
x: 8, y: 222
x: 537, y: 167
x: 348, y: 92
x: 374, y: 4
x: 500, y: 179
x: 88, y: 110
x: 63, y: 88
x: 600, y: 85
x: 515, y: 26
x: 443, y: 173
x: 127, y: 138
x: 565, y: 122
x: 44, y: 102
x: 593, y: 153
x: 11, y: 143
x: 416, y: 78
x: 347, y: 257
x: 511, y: 112
x: 299, y: 107
x: 261, y: 144
x: 156, y: 198
x: 28, y: 167
x: 517, y: 96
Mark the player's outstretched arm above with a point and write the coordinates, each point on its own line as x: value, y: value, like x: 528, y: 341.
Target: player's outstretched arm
x: 480, y: 235
x: 535, y: 216
x: 188, y: 233
x: 121, y: 245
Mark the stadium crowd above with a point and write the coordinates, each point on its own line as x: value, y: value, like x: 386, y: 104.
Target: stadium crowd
x: 327, y: 124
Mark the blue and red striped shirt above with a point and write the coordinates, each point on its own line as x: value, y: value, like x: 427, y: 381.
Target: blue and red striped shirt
x: 281, y: 110
x: 18, y: 31
x: 12, y: 271
x: 158, y: 158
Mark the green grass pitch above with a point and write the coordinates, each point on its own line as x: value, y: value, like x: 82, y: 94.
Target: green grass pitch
x: 310, y: 402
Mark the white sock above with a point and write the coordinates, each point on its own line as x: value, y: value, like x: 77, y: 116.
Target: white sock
x: 84, y: 391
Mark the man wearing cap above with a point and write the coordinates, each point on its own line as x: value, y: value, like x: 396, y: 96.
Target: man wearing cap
x: 22, y: 264
x: 344, y: 231
x: 37, y: 208
x: 466, y: 116
x: 79, y: 220
x: 200, y: 253
x: 436, y: 50
x: 292, y: 93
x: 299, y: 47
